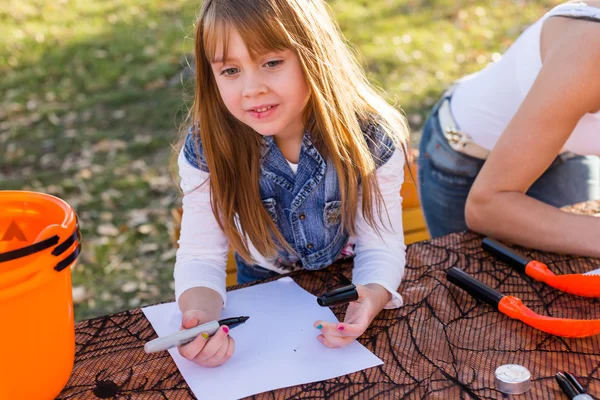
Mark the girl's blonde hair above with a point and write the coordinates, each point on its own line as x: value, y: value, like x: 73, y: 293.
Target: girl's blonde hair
x: 341, y: 99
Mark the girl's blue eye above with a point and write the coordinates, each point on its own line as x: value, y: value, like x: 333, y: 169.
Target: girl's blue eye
x: 274, y: 63
x: 229, y: 71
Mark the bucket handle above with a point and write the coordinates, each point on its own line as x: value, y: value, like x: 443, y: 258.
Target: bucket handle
x: 42, y: 277
x: 75, y: 237
x: 29, y: 250
x: 69, y: 259
x: 43, y: 245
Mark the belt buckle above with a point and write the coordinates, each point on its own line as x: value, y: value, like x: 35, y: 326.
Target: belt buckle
x: 456, y: 138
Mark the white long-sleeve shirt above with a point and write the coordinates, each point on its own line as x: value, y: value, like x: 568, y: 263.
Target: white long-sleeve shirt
x: 203, y: 247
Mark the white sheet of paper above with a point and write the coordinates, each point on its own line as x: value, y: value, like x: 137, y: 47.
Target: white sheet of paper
x: 593, y: 272
x: 277, y: 347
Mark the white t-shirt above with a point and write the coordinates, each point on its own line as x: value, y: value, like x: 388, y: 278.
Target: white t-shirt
x: 203, y: 247
x: 484, y: 103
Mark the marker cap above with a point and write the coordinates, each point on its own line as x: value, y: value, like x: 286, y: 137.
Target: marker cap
x: 512, y: 379
x: 342, y: 295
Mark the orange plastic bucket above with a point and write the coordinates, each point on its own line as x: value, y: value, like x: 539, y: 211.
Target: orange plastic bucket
x: 39, y: 242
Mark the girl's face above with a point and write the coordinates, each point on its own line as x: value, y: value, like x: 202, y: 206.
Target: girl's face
x: 268, y: 94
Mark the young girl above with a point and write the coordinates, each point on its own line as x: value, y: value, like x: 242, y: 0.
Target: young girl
x: 292, y: 159
x: 520, y: 139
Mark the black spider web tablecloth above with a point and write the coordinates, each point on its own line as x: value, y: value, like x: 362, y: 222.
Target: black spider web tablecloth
x: 440, y: 345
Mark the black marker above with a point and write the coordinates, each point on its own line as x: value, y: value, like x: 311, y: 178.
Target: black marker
x: 187, y: 335
x: 342, y: 295
x: 571, y: 387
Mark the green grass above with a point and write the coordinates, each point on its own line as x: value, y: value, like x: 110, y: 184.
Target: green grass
x: 87, y: 113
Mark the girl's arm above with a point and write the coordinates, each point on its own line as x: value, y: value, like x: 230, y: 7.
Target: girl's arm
x: 200, y: 270
x: 567, y: 87
x: 202, y: 254
x: 380, y: 260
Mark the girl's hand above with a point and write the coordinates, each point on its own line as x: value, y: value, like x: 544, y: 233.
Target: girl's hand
x: 359, y: 314
x: 204, y: 350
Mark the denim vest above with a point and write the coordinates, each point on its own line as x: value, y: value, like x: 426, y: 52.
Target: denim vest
x: 305, y: 206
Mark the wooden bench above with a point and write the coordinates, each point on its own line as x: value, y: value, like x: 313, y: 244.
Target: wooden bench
x: 413, y: 221
x: 415, y: 229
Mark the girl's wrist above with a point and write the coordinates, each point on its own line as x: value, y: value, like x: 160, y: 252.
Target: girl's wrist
x: 202, y: 299
x: 379, y: 295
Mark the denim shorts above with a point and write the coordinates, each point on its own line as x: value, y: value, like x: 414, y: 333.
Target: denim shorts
x: 446, y: 176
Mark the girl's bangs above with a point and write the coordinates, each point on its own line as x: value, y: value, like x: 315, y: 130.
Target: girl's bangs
x: 260, y: 32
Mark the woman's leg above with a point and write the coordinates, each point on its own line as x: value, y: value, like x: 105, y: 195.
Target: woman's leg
x: 570, y: 179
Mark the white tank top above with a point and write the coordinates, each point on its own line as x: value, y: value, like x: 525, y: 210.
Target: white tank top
x: 484, y: 103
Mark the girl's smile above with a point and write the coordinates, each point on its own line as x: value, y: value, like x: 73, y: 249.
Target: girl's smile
x: 262, y: 112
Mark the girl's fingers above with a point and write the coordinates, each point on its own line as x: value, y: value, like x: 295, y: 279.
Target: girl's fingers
x: 339, y: 341
x: 217, y: 358
x: 222, y: 356
x: 323, y: 339
x: 192, y: 349
x: 341, y: 329
x: 214, y: 344
x: 334, y: 342
x: 189, y: 320
x: 328, y: 329
x: 332, y: 337
x: 347, y: 329
x: 230, y: 349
